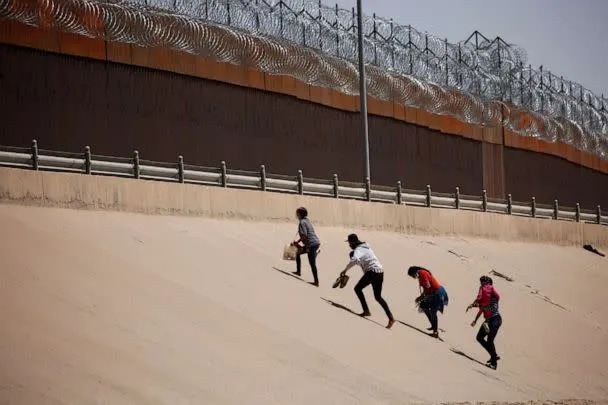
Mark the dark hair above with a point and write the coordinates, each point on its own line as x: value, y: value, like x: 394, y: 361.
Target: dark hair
x: 486, y: 280
x: 353, y: 239
x: 413, y: 270
x: 302, y: 212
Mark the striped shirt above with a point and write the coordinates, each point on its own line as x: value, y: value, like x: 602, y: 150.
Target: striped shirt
x: 307, y: 233
x: 364, y: 256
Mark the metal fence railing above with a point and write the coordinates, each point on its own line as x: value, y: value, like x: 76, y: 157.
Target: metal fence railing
x: 87, y: 163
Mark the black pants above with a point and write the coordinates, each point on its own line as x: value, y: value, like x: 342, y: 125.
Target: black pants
x: 488, y: 343
x: 430, y: 306
x: 375, y: 279
x: 312, y: 259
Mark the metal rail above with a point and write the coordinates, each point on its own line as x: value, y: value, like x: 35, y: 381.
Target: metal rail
x: 101, y: 165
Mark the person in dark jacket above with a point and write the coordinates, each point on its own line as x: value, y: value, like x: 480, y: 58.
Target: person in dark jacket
x: 310, y: 244
x: 487, y: 302
x: 432, y: 298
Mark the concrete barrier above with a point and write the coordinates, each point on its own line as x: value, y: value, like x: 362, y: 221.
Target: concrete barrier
x: 74, y: 190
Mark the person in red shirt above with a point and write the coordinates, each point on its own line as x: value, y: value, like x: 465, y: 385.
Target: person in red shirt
x: 433, y: 297
x: 487, y: 302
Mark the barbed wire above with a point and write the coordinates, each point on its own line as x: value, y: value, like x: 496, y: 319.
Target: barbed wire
x: 480, y: 81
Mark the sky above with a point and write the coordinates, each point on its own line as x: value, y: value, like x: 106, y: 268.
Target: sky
x: 567, y: 37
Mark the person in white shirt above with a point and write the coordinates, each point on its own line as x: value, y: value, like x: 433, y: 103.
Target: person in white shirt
x: 373, y: 273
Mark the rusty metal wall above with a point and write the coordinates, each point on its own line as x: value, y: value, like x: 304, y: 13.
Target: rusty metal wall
x: 548, y: 178
x: 67, y: 102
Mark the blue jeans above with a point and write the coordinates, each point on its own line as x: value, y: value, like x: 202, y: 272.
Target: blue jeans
x: 311, y: 251
x: 433, y: 303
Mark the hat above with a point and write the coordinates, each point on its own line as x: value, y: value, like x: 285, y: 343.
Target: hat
x: 353, y: 238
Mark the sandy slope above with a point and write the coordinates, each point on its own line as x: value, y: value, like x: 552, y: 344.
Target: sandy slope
x: 106, y: 307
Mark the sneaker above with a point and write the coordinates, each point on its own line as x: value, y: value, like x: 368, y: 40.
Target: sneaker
x: 343, y: 281
x: 365, y: 314
x: 435, y: 334
x: 391, y: 322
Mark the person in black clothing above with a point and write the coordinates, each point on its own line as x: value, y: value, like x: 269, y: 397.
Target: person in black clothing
x: 310, y: 244
x: 363, y: 256
x: 487, y: 302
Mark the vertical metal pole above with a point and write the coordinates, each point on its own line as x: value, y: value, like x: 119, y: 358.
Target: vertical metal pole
x: 281, y: 18
x: 555, y: 209
x: 136, y: 164
x: 363, y: 90
x: 300, y: 182
x: 578, y: 212
x: 336, y: 190
x: 337, y: 32
x: 599, y: 215
x: 484, y: 200
x: 447, y: 74
x: 457, y: 198
x: 224, y: 174
x: 533, y: 207
x: 392, y: 47
x: 87, y: 159
x: 263, y: 177
x: 399, y: 194
x: 35, y: 154
x: 180, y: 168
x: 509, y: 204
x: 428, y: 195
x: 368, y: 189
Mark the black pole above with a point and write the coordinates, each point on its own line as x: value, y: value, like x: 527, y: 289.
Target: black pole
x: 363, y: 91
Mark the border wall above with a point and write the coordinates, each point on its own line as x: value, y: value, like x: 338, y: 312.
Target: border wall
x: 166, y: 103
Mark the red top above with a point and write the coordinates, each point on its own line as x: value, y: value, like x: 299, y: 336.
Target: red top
x: 428, y: 283
x: 487, y: 299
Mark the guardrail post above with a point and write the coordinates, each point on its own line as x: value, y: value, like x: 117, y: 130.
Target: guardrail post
x: 368, y: 189
x: 87, y: 159
x: 399, y: 194
x: 180, y: 168
x: 35, y: 154
x: 457, y: 198
x: 136, y: 164
x: 300, y: 182
x: 577, y: 215
x: 428, y: 195
x: 336, y: 190
x: 598, y: 214
x: 263, y: 177
x: 509, y: 204
x: 533, y: 207
x: 484, y: 200
x: 224, y: 180
x: 555, y: 209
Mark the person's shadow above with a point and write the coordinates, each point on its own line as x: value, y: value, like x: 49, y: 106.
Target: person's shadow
x: 342, y: 307
x: 463, y: 354
x: 420, y: 330
x: 290, y: 275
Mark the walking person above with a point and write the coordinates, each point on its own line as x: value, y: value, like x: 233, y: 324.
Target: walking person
x: 310, y: 244
x: 487, y: 302
x: 373, y: 273
x: 433, y: 297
